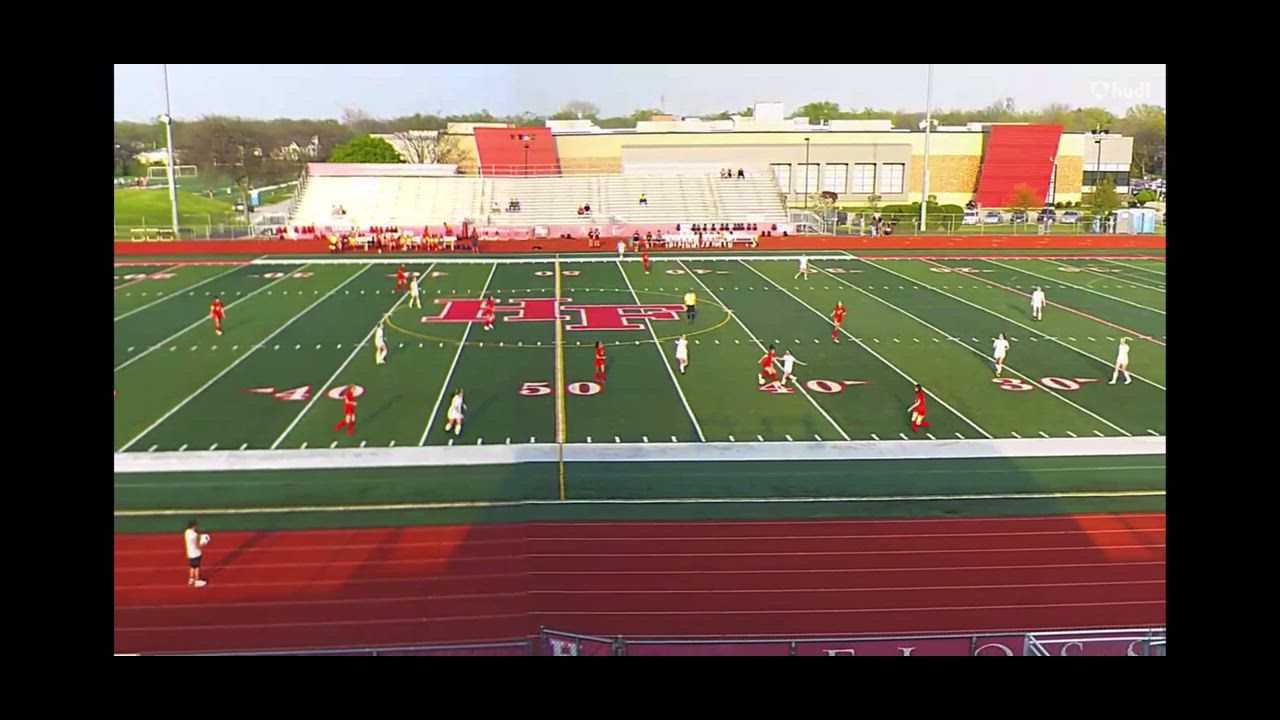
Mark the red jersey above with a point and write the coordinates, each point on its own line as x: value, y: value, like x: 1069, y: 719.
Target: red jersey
x: 488, y: 306
x: 600, y: 355
x: 919, y: 406
x: 767, y: 361
x: 645, y: 258
x: 400, y: 274
x: 839, y: 314
x: 349, y: 400
x: 216, y: 308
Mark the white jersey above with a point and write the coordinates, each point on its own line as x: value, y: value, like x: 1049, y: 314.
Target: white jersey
x: 413, y: 287
x: 1122, y: 354
x: 682, y: 349
x: 804, y: 263
x: 788, y: 362
x: 1000, y: 347
x: 1037, y: 298
x: 377, y: 336
x: 456, y: 406
x: 192, y: 539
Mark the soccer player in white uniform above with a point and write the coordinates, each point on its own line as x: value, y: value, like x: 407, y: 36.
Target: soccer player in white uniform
x: 804, y: 267
x: 1037, y: 304
x: 999, y: 349
x: 682, y: 353
x: 1122, y: 362
x: 789, y: 362
x: 622, y: 248
x: 194, y: 541
x: 414, y: 299
x: 456, y: 408
x: 379, y: 345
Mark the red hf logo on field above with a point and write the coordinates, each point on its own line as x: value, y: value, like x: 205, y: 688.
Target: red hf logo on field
x: 581, y: 317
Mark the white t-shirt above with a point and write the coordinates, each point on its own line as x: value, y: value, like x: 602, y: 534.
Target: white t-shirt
x: 1037, y: 298
x: 1122, y: 354
x: 682, y: 348
x: 1000, y: 347
x: 788, y: 362
x: 804, y: 262
x: 377, y: 336
x: 193, y: 544
x: 455, y: 407
x: 413, y: 286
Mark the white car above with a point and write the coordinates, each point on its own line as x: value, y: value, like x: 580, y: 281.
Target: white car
x: 970, y: 217
x: 993, y: 217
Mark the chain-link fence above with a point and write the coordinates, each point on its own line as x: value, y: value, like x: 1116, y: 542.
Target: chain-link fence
x: 191, y: 226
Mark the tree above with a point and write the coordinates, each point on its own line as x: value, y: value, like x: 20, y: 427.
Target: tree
x: 366, y: 149
x: 817, y: 112
x: 1145, y: 197
x: 429, y: 146
x: 577, y: 110
x: 1023, y: 198
x: 1104, y: 199
x: 357, y: 120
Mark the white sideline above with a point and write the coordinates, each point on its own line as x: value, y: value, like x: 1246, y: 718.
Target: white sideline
x: 593, y: 258
x: 325, y: 458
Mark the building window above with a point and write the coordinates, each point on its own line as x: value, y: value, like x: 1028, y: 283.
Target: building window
x: 835, y: 178
x: 782, y: 173
x: 864, y: 178
x: 807, y: 178
x: 891, y: 179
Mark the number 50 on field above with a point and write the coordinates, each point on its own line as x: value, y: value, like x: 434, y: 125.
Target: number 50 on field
x: 534, y: 389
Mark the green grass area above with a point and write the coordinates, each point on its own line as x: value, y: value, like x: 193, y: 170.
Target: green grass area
x: 297, y: 332
x: 150, y: 208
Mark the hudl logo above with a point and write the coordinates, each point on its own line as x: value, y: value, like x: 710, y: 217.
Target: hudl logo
x: 1102, y: 90
x: 583, y: 317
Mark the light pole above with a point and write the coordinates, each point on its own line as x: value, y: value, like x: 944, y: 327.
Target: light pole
x: 1053, y: 181
x: 526, y: 139
x: 928, y: 123
x: 806, y: 173
x: 167, y: 119
x: 1098, y: 134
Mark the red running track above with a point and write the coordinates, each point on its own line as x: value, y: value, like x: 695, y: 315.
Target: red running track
x: 344, y: 588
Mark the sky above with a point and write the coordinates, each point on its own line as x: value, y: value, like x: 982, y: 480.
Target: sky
x: 322, y: 91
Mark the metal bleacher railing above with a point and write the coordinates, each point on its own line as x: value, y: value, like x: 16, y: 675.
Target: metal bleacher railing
x: 525, y: 647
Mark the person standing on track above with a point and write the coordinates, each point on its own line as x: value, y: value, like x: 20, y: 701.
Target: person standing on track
x: 195, y: 542
x: 217, y: 312
x: 918, y: 410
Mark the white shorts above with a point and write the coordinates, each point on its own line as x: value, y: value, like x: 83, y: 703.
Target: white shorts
x: 1036, y: 306
x: 1122, y: 362
x: 1000, y: 357
x: 682, y: 356
x: 454, y: 417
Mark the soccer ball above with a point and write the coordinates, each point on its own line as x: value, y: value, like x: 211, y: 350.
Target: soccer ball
x: 204, y: 539
x: 759, y: 379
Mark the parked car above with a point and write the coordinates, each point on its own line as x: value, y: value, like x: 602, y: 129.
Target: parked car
x: 993, y: 217
x: 1070, y: 216
x: 1018, y: 216
x: 1047, y: 215
x: 970, y: 217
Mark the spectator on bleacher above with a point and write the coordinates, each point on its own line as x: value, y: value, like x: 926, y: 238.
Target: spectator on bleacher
x: 643, y: 200
x: 635, y: 239
x: 587, y: 208
x: 741, y: 174
x: 648, y: 239
x: 581, y: 212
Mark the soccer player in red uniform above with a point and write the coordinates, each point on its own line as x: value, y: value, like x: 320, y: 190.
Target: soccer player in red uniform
x: 918, y: 410
x: 838, y: 316
x: 599, y: 362
x: 401, y: 282
x: 217, y: 312
x: 487, y: 308
x: 768, y: 373
x: 645, y: 259
x: 348, y: 412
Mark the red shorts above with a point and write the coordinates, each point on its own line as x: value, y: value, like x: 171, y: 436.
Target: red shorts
x: 839, y: 321
x: 348, y: 409
x: 599, y: 362
x: 919, y: 411
x: 768, y: 370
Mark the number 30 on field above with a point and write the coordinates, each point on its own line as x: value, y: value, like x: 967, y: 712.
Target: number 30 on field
x: 534, y: 389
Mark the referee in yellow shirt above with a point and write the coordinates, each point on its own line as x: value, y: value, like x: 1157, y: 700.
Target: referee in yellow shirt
x: 690, y: 305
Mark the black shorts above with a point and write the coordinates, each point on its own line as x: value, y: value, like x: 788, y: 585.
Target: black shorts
x: 691, y: 309
x: 195, y: 561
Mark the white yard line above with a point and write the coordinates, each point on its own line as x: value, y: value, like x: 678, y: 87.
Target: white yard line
x: 665, y: 362
x: 178, y: 292
x: 969, y: 347
x: 1024, y: 327
x: 1135, y: 267
x: 741, y: 324
x: 316, y: 395
x: 891, y: 366
x: 239, y: 360
x: 1078, y: 287
x: 449, y: 376
x: 1109, y: 277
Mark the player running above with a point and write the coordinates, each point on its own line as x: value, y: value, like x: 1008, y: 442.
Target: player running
x: 645, y: 259
x: 789, y: 362
x: 768, y: 374
x: 918, y: 410
x: 415, y: 299
x: 682, y: 353
x: 1037, y: 304
x: 217, y: 312
x: 486, y: 309
x: 454, y: 415
x: 348, y: 412
x: 999, y: 349
x: 837, y: 316
x: 804, y: 267
x: 1122, y: 363
x: 379, y: 345
x: 599, y: 362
